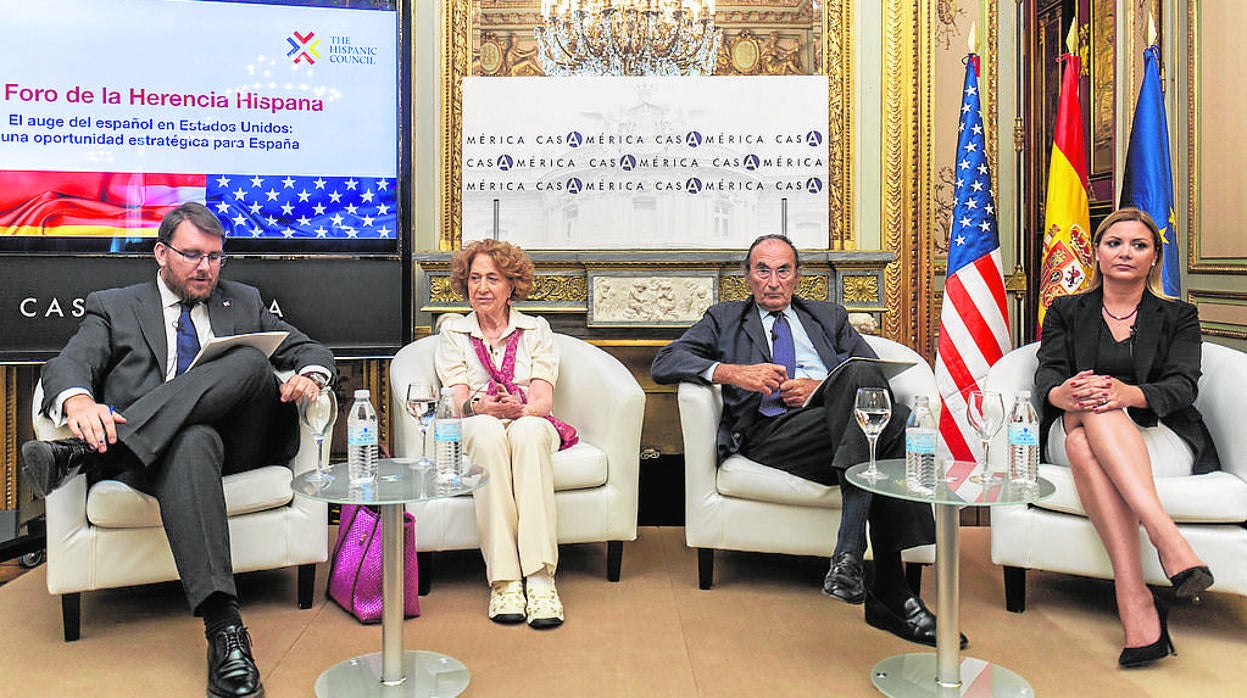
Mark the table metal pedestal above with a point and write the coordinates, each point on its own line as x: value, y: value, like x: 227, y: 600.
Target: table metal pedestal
x: 947, y: 674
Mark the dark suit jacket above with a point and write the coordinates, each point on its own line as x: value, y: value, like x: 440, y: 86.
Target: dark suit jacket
x: 120, y: 349
x: 1166, y: 364
x: 731, y: 332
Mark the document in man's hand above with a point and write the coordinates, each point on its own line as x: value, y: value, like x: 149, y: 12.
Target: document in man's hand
x: 266, y: 342
x: 890, y: 367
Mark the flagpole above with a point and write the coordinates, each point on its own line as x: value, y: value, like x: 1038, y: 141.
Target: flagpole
x: 1017, y: 281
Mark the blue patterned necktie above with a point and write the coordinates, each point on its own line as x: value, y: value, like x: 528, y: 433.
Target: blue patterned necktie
x: 188, y: 339
x: 784, y: 353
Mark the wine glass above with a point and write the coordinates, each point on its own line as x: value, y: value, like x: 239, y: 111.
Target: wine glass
x: 317, y: 414
x: 421, y: 401
x: 985, y: 410
x: 873, y: 409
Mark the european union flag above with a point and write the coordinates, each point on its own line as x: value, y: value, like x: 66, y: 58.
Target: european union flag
x: 1148, y: 180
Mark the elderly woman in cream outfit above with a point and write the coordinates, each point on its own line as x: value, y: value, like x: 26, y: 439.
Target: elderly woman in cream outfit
x: 507, y: 434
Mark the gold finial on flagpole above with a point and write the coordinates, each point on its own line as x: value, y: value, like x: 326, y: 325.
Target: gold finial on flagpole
x: 1151, y: 29
x: 973, y: 40
x: 1071, y: 38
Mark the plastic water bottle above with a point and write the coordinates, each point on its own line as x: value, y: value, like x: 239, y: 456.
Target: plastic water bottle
x: 361, y: 440
x: 447, y: 437
x: 1023, y: 440
x: 920, y: 437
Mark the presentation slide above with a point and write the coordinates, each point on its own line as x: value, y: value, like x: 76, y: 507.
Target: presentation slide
x: 281, y: 117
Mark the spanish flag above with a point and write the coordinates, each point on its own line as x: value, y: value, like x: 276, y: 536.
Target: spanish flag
x: 1067, y: 255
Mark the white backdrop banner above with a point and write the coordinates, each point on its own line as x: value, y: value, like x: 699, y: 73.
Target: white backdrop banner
x: 665, y: 163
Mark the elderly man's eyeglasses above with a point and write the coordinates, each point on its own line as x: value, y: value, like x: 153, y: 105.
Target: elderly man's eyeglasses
x: 194, y: 256
x: 764, y: 272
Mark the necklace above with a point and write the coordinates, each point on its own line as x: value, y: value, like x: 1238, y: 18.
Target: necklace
x: 1127, y: 316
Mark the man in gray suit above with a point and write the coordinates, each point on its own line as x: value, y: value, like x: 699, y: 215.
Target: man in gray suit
x: 771, y: 353
x: 138, y: 415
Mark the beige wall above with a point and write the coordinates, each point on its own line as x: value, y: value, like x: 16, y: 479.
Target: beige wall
x: 1208, y: 64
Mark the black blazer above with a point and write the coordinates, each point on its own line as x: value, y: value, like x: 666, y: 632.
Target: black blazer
x: 1166, y: 363
x: 731, y: 332
x: 120, y: 349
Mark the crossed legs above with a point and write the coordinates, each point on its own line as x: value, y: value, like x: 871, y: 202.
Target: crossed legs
x: 1113, y: 475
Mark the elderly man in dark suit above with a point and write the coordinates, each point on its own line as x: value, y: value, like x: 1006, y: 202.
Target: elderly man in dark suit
x: 770, y: 354
x: 122, y: 385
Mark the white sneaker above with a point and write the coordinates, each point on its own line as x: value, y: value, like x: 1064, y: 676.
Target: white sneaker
x: 506, y: 602
x: 545, y: 610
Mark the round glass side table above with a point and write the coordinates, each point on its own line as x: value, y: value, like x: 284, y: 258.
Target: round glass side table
x: 946, y: 673
x: 392, y: 671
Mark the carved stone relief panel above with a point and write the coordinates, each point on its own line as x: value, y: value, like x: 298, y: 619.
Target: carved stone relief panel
x: 649, y: 299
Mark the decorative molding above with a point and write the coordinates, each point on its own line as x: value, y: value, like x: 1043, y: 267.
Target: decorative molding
x: 733, y: 288
x: 639, y: 299
x: 907, y: 168
x: 559, y: 288
x: 745, y: 53
x: 838, y: 66
x: 8, y: 437
x: 1230, y: 298
x: 861, y: 289
x: 456, y: 63
x: 1195, y: 261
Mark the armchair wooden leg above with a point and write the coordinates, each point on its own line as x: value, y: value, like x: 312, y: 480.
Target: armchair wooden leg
x: 1015, y: 589
x: 705, y: 568
x: 71, y: 615
x: 614, y: 559
x: 424, y: 560
x: 307, y: 583
x: 913, y: 577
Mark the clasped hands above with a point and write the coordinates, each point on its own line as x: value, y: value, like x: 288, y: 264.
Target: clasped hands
x: 766, y: 379
x: 1087, y: 391
x: 501, y: 404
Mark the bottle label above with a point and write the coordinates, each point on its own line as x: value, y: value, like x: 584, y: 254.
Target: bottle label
x: 361, y: 435
x: 448, y: 430
x: 1024, y: 434
x: 920, y: 440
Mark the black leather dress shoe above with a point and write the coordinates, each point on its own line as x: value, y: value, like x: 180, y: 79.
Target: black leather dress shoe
x: 231, y: 669
x: 844, y: 579
x: 912, y: 621
x: 48, y: 464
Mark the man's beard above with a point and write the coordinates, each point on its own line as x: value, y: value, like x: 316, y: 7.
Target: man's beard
x: 184, y: 292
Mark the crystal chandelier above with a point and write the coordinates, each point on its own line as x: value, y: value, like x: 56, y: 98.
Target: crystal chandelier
x: 627, y: 37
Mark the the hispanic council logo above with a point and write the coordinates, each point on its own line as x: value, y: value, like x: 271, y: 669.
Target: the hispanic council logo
x: 303, y: 47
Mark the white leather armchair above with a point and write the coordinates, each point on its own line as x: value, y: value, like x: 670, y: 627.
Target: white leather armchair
x: 111, y: 536
x: 743, y: 505
x: 595, y: 481
x: 1210, y: 509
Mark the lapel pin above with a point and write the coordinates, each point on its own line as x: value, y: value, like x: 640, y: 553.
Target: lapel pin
x: 225, y: 303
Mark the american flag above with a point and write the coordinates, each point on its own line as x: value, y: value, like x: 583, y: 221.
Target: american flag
x: 131, y: 204
x: 974, y: 326
x: 284, y: 206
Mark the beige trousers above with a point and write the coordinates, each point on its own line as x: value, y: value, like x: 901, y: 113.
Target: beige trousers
x: 515, y: 510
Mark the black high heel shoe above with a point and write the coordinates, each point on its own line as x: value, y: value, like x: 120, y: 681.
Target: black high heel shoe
x: 1191, y: 581
x: 1163, y: 647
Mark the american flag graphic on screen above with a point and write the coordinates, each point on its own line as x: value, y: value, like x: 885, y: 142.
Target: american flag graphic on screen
x: 974, y: 326
x: 250, y: 205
